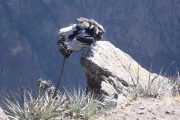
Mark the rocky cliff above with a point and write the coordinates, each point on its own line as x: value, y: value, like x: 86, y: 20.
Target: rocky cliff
x: 144, y: 29
x: 108, y: 69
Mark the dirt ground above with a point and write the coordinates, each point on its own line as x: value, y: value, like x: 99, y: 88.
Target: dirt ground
x: 167, y: 108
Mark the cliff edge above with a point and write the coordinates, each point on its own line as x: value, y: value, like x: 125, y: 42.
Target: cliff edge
x: 108, y: 69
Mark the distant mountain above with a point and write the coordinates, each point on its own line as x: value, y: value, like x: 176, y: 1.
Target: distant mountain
x: 28, y: 34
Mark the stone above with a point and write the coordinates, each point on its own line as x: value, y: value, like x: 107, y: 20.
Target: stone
x: 109, y: 70
x: 3, y: 116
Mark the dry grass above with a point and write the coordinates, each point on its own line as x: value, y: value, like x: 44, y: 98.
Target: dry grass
x: 155, y: 87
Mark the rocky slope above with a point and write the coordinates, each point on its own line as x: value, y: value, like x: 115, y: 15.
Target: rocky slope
x: 144, y: 29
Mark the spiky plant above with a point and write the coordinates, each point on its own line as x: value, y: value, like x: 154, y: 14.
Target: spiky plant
x: 39, y: 108
x: 81, y: 105
x: 75, y: 104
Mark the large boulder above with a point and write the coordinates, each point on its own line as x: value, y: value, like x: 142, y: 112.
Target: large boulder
x: 107, y: 68
x: 3, y: 116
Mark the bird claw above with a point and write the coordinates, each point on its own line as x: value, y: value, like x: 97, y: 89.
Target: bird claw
x: 64, y: 50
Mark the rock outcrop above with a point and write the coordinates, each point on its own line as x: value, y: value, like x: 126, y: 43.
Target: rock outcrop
x: 3, y: 116
x: 108, y: 68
